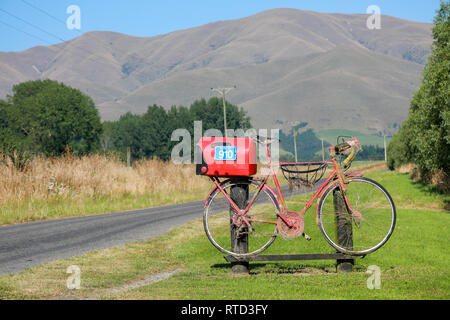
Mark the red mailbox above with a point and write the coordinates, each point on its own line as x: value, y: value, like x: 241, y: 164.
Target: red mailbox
x: 226, y: 157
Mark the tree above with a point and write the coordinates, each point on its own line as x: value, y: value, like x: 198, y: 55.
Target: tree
x: 425, y: 137
x: 13, y: 146
x: 156, y: 133
x: 46, y: 116
x: 3, y: 115
x: 149, y: 134
x: 308, y: 145
x: 400, y: 150
x: 127, y: 132
x: 211, y: 114
x: 430, y: 107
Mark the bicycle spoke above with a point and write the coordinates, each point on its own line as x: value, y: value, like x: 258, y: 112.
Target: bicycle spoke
x: 220, y: 220
x: 369, y: 230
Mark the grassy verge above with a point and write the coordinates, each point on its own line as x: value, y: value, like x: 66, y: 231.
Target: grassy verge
x: 414, y: 262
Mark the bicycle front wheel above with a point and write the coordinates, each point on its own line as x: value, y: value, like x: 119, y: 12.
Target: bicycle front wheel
x: 350, y: 233
x: 224, y: 227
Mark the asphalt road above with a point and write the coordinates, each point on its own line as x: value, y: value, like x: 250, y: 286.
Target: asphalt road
x: 30, y: 244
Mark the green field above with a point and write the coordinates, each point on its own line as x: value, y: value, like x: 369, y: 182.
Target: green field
x: 365, y: 139
x: 414, y: 263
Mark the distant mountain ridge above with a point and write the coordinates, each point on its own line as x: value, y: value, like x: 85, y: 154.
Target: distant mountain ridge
x: 289, y: 65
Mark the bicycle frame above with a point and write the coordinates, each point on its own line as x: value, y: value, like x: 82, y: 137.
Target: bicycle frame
x: 336, y: 174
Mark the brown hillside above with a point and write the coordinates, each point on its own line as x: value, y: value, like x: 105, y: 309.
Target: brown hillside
x: 288, y: 64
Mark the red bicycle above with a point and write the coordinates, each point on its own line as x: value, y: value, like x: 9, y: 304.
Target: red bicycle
x: 257, y: 212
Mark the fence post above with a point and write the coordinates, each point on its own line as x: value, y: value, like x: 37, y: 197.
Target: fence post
x: 239, y: 194
x: 344, y: 230
x: 128, y: 157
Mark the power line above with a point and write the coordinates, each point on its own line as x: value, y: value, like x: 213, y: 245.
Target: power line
x: 32, y: 25
x: 99, y: 59
x: 105, y: 44
x: 64, y: 23
x: 28, y: 34
x: 101, y: 41
x: 46, y: 13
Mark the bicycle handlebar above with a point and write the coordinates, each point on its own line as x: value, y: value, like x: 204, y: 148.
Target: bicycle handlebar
x: 354, y: 145
x: 350, y: 157
x: 265, y: 140
x: 341, y: 147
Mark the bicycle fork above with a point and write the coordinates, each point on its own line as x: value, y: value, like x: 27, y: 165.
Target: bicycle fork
x: 354, y: 215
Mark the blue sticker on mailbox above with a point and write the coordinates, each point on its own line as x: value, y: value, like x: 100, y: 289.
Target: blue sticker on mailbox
x: 225, y: 153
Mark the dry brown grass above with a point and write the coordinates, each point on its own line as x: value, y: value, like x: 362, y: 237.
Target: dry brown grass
x: 378, y: 166
x: 407, y: 168
x: 62, y: 187
x: 438, y: 178
x: 95, y: 175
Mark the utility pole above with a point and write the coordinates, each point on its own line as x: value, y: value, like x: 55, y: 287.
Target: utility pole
x: 295, y: 146
x: 385, y: 153
x: 323, y: 152
x: 223, y: 92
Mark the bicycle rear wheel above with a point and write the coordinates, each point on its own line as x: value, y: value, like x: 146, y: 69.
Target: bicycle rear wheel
x: 364, y: 234
x: 221, y: 221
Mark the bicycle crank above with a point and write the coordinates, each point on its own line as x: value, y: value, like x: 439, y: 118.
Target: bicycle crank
x: 290, y: 225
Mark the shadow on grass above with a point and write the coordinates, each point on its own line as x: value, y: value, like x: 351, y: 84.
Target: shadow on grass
x: 258, y: 268
x: 431, y: 190
x: 425, y: 188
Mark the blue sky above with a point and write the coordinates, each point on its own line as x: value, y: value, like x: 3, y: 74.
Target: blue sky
x: 22, y: 26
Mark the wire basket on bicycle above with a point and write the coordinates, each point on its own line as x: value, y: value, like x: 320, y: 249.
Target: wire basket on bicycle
x: 303, y: 174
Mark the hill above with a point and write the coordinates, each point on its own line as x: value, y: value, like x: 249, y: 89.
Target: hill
x: 288, y: 64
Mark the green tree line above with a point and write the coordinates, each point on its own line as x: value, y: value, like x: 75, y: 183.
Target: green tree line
x: 424, y: 138
x: 149, y: 135
x: 49, y: 118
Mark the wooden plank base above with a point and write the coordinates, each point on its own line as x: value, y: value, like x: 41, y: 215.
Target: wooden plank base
x: 288, y: 257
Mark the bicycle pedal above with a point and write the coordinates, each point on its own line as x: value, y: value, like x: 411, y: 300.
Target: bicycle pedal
x: 306, y: 236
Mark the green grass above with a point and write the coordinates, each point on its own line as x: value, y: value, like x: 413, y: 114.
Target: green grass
x: 414, y: 262
x: 365, y: 139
